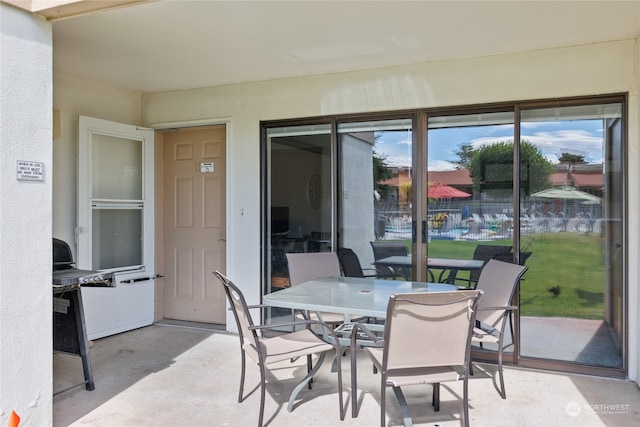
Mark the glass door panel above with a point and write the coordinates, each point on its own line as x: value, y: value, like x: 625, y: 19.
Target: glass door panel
x: 470, y: 195
x: 469, y: 189
x: 375, y: 173
x: 571, y: 222
x: 299, y: 196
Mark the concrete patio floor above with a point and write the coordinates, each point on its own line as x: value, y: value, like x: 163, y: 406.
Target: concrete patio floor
x: 167, y: 375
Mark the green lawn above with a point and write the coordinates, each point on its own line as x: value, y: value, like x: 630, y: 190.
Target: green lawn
x: 571, y: 261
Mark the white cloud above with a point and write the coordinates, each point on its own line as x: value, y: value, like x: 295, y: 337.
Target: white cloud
x: 440, y: 165
x: 553, y: 144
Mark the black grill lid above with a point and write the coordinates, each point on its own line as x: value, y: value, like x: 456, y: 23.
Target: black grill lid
x: 62, y: 256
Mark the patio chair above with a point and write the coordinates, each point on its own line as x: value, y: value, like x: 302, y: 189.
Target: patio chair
x: 427, y: 340
x: 508, y: 257
x: 498, y: 280
x: 311, y: 265
x: 382, y: 249
x: 483, y: 253
x: 290, y: 346
x: 351, y: 267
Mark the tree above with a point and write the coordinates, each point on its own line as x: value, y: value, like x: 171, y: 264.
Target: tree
x: 571, y: 158
x: 381, y: 173
x: 465, y: 154
x: 492, y: 167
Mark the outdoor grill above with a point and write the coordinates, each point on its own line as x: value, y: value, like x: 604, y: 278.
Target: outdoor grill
x: 65, y: 274
x: 69, y: 330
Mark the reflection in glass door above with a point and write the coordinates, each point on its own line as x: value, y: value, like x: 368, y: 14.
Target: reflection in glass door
x: 571, y: 300
x: 299, y: 196
x: 375, y: 174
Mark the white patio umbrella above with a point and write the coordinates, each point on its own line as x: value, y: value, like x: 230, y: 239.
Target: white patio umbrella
x: 567, y: 193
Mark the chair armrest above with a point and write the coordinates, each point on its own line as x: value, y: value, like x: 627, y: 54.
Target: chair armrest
x: 308, y: 323
x: 295, y: 323
x: 250, y: 307
x: 502, y: 307
x: 368, y: 334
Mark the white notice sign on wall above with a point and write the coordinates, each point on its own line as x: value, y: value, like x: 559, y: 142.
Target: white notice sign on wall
x: 30, y: 171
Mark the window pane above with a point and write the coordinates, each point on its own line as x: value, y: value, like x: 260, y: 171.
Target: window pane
x: 117, y: 168
x: 470, y: 184
x: 117, y: 238
x: 375, y: 179
x: 299, y: 195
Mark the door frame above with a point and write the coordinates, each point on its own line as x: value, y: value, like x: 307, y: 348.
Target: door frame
x: 160, y: 129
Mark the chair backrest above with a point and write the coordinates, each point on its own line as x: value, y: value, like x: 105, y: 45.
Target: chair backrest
x: 311, y: 265
x: 508, y: 257
x: 485, y: 253
x: 240, y: 311
x: 498, y: 280
x: 429, y: 329
x: 383, y: 249
x: 349, y: 263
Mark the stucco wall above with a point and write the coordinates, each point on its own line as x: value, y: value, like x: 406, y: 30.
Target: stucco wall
x: 575, y: 71
x: 25, y: 219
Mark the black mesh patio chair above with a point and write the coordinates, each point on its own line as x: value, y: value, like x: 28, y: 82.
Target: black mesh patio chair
x: 351, y: 267
x: 382, y: 249
x: 483, y: 253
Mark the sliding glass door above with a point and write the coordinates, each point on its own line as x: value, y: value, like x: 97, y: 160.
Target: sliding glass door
x: 536, y: 183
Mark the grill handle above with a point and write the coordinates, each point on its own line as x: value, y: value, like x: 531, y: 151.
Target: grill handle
x: 142, y: 279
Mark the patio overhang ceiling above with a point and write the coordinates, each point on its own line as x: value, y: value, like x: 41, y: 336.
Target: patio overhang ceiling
x: 154, y: 46
x: 56, y: 10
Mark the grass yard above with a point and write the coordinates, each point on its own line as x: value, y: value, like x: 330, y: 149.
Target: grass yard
x: 572, y: 262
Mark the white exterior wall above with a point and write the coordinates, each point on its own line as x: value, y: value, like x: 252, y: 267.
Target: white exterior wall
x: 600, y: 68
x: 25, y: 219
x: 74, y: 97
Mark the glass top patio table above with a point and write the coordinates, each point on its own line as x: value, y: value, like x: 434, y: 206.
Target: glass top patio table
x: 351, y: 296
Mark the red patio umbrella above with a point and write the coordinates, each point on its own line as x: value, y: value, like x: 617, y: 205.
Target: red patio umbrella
x: 438, y: 190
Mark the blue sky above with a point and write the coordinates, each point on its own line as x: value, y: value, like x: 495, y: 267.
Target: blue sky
x: 582, y: 137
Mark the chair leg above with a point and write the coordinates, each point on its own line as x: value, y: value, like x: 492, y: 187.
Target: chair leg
x: 262, y: 394
x: 309, y: 366
x: 404, y: 407
x: 342, y: 404
x: 383, y: 398
x: 354, y: 383
x: 435, y: 400
x: 502, y: 391
x: 465, y: 400
x: 242, y: 369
